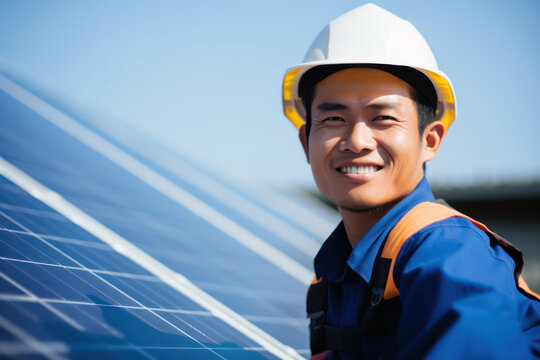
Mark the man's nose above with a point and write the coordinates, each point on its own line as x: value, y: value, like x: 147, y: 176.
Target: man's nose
x: 359, y: 137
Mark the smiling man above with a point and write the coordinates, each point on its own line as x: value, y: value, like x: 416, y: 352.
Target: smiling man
x: 401, y: 276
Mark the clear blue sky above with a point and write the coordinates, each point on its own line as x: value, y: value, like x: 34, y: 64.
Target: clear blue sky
x: 205, y: 76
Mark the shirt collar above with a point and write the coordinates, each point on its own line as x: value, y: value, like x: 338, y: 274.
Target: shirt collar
x: 335, y: 254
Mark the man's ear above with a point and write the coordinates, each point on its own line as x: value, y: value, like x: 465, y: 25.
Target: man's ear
x: 432, y: 139
x: 302, y: 135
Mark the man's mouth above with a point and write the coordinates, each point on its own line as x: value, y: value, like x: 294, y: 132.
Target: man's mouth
x: 359, y: 169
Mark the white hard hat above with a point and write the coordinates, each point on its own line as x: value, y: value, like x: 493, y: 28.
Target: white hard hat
x: 370, y: 35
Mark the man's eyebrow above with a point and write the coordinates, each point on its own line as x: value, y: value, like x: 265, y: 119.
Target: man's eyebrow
x: 331, y: 106
x: 382, y: 105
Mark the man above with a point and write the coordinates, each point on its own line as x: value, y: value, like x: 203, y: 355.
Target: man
x: 372, y: 108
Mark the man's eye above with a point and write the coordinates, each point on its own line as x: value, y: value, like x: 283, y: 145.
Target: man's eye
x: 383, y: 117
x: 333, y: 118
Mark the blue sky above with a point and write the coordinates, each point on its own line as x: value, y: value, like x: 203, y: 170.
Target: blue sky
x: 204, y: 77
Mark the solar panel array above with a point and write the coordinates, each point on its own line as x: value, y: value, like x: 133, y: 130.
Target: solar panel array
x: 113, y: 247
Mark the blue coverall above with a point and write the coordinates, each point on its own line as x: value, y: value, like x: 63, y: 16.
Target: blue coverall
x: 458, y: 293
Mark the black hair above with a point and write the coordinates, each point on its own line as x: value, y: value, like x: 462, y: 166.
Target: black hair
x: 425, y: 110
x: 424, y: 94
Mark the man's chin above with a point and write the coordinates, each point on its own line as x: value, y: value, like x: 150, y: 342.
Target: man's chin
x: 365, y: 207
x: 360, y: 208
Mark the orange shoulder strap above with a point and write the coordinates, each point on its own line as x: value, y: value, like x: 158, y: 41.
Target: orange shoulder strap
x: 417, y: 218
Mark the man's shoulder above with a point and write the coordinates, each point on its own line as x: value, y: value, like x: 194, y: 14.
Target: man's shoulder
x: 436, y: 224
x: 450, y: 232
x: 450, y: 226
x: 451, y: 246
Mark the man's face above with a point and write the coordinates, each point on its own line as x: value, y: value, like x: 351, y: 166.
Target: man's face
x: 364, y: 146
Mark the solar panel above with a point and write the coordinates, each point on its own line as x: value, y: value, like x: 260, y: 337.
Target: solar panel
x: 81, y: 298
x: 126, y: 257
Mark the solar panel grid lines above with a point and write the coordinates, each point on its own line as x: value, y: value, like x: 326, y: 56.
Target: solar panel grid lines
x: 60, y: 314
x: 32, y: 296
x: 157, y: 181
x: 174, y: 279
x: 72, y: 302
x: 252, y: 302
x: 103, y: 275
x: 47, y: 350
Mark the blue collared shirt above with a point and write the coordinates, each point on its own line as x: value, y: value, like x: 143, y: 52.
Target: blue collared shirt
x: 457, y: 291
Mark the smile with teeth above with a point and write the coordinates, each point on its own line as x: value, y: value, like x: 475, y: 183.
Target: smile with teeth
x: 359, y: 169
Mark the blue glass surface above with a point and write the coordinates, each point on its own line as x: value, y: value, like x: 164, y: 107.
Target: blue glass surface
x: 55, y: 299
x: 56, y: 260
